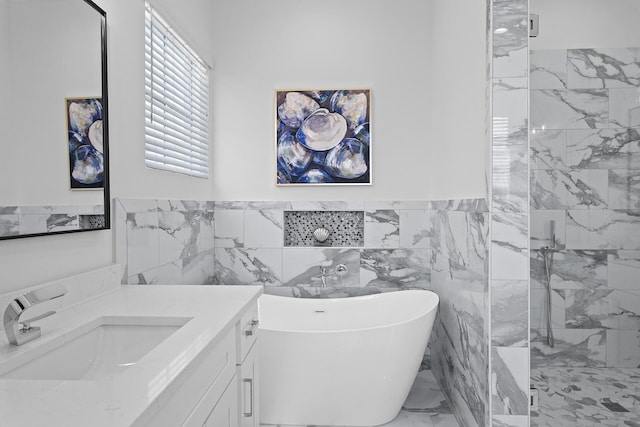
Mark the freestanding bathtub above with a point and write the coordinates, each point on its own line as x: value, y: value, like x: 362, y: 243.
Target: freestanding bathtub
x: 343, y: 361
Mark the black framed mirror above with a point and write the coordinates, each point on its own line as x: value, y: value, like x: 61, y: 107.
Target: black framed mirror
x: 54, y: 132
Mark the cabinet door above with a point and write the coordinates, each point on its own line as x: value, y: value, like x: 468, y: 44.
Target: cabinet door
x: 225, y: 413
x: 249, y: 389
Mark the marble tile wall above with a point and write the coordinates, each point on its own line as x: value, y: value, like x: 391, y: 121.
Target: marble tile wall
x: 164, y: 242
x: 15, y: 220
x: 585, y: 169
x: 459, y: 343
x: 393, y: 252
x: 509, y: 214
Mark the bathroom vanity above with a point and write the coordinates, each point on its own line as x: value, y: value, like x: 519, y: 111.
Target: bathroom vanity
x: 139, y: 356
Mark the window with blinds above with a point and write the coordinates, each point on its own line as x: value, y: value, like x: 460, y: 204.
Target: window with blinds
x: 176, y: 101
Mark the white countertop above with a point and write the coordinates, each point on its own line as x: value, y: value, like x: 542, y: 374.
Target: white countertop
x: 141, y: 388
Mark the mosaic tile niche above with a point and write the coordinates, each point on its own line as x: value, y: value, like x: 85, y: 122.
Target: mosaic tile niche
x: 346, y: 228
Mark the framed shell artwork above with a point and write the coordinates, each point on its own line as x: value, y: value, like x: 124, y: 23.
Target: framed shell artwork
x: 323, y: 137
x: 85, y: 146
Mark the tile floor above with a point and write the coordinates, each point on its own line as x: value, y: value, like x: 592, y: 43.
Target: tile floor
x: 425, y: 406
x: 586, y: 397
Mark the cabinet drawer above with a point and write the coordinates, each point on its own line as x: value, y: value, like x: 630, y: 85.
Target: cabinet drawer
x: 248, y: 332
x: 225, y: 413
x: 190, y: 405
x: 249, y: 393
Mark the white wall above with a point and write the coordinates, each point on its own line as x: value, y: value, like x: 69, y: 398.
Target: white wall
x: 68, y: 42
x: 7, y: 169
x: 573, y: 24
x: 26, y: 262
x: 426, y: 74
x: 129, y: 176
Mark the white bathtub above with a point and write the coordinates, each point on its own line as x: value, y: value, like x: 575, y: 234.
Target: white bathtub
x: 343, y: 361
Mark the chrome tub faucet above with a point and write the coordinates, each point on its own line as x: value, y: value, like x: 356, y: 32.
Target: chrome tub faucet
x: 20, y: 331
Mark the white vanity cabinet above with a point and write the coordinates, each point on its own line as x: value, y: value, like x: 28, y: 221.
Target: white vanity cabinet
x: 222, y: 390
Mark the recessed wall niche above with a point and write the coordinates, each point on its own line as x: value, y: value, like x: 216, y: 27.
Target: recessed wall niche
x: 346, y: 228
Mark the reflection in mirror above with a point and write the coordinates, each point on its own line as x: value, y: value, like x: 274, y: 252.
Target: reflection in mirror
x: 53, y: 118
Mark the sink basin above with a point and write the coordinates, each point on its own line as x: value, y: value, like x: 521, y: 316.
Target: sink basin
x: 99, y: 350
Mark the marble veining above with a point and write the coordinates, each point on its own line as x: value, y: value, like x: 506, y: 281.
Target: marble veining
x: 509, y: 246
x: 548, y: 149
x: 624, y: 189
x: 509, y: 381
x: 165, y: 241
x: 395, y: 268
x: 548, y: 69
x: 615, y: 148
x: 382, y: 229
x: 241, y: 266
x: 603, y: 229
x: 623, y: 269
x: 510, y: 115
x: 9, y: 225
x: 624, y: 107
x: 415, y: 228
x: 510, y: 180
x: 571, y: 269
x: 584, y: 176
x: 579, y: 189
x: 461, y: 343
x: 569, y: 109
x: 509, y: 313
x: 578, y: 397
x: 303, y: 267
x: 573, y: 347
x: 510, y: 48
x: 603, y: 68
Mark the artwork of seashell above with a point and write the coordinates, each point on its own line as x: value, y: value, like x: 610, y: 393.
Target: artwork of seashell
x: 86, y: 142
x: 348, y: 159
x: 314, y: 176
x: 353, y: 107
x: 296, y: 108
x: 293, y: 157
x: 321, y: 234
x: 83, y: 114
x: 96, y: 135
x: 88, y: 165
x: 323, y: 137
x: 322, y: 130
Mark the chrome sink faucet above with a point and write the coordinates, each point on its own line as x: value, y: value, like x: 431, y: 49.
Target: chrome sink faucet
x: 20, y: 331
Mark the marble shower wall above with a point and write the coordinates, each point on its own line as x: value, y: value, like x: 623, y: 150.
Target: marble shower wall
x: 509, y: 214
x: 585, y: 175
x: 460, y: 338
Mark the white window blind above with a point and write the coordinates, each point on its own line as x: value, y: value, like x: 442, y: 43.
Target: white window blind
x: 176, y: 101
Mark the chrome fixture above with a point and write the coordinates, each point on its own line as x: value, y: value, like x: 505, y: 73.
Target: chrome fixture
x: 341, y: 270
x: 534, y: 25
x: 323, y: 277
x: 547, y: 254
x: 24, y: 333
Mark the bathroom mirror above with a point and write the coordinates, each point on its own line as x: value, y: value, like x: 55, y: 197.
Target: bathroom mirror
x: 54, y: 175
